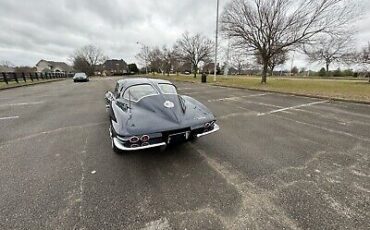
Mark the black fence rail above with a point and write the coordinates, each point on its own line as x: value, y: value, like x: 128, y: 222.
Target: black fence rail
x: 30, y: 76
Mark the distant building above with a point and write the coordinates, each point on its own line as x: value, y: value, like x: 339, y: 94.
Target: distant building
x: 51, y: 66
x: 113, y: 67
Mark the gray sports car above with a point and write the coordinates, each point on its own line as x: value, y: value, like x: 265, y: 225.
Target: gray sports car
x: 146, y: 113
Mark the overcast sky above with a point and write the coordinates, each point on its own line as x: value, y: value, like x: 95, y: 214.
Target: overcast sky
x: 52, y: 29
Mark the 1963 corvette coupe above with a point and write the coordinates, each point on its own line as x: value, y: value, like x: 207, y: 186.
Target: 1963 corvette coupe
x: 146, y: 113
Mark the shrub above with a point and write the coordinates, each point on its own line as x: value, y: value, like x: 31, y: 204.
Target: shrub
x: 322, y: 72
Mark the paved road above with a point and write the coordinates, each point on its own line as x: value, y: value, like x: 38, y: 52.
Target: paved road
x: 278, y: 161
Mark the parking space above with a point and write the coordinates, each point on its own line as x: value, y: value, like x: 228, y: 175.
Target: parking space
x: 279, y: 161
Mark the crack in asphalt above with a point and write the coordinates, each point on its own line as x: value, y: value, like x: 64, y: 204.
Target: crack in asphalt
x: 324, y: 176
x: 257, y: 211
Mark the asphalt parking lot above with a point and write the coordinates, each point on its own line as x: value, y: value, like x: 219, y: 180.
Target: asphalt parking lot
x: 278, y: 162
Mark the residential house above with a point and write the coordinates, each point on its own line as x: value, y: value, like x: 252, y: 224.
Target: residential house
x: 51, y: 66
x: 113, y: 67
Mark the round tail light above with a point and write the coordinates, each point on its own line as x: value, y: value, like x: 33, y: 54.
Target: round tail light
x: 134, y: 139
x: 134, y: 145
x: 145, y: 138
x: 145, y: 144
x: 207, y: 125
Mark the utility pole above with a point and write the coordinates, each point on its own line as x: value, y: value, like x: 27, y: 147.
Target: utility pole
x: 216, y: 49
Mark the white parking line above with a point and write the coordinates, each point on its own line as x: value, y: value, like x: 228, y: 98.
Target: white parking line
x: 362, y: 138
x: 9, y: 118
x: 22, y: 104
x: 293, y: 107
x: 236, y: 98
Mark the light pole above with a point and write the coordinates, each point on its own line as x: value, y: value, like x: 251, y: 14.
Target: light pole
x: 145, y: 48
x: 216, y: 48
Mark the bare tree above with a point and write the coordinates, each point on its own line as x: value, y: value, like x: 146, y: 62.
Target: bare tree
x: 156, y: 62
x: 363, y: 58
x: 270, y: 26
x: 278, y: 59
x: 194, y: 49
x: 144, y: 56
x: 87, y: 58
x: 366, y: 54
x: 239, y: 60
x: 6, y: 64
x: 170, y: 60
x: 329, y: 49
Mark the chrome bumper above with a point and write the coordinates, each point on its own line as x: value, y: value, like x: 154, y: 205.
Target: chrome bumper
x: 215, y: 129
x: 121, y: 147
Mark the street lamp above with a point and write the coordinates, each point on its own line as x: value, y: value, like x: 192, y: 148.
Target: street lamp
x: 216, y: 48
x: 145, y: 48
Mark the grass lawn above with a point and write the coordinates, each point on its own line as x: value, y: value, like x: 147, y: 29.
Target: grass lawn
x: 13, y: 84
x: 358, y: 90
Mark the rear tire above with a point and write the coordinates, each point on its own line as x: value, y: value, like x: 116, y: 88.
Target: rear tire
x: 193, y: 139
x: 114, y: 147
x: 162, y: 148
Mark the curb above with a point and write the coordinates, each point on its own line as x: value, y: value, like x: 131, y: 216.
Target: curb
x: 35, y: 83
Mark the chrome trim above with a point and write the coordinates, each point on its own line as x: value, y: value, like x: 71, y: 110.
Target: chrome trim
x: 120, y: 146
x: 149, y: 95
x: 215, y: 129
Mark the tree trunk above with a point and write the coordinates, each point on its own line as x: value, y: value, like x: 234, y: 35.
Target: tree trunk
x: 195, y: 71
x: 264, y: 72
x: 272, y: 67
x: 327, y: 68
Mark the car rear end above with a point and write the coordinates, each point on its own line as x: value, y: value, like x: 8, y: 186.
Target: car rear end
x: 168, y: 137
x: 80, y: 77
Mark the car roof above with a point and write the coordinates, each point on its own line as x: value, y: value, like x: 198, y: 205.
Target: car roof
x: 137, y: 81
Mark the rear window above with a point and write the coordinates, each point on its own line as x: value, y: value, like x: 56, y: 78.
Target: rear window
x: 167, y: 88
x: 80, y: 75
x: 137, y: 92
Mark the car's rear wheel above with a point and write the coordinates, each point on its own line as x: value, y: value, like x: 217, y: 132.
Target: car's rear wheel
x: 162, y: 148
x: 113, y: 145
x: 193, y: 138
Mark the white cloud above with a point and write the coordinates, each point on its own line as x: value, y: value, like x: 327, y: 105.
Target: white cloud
x: 44, y: 29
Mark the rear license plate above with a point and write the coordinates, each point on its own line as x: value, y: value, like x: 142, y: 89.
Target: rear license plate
x: 178, y: 137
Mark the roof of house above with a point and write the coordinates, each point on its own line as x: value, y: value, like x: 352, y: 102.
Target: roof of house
x: 114, y: 64
x: 54, y: 64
